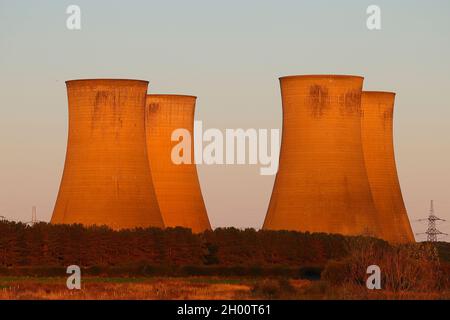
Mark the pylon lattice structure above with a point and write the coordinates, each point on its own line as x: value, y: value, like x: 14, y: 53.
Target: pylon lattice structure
x: 34, y: 219
x: 176, y: 185
x: 432, y: 231
x: 107, y: 179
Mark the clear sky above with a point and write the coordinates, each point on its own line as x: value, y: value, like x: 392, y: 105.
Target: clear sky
x: 230, y: 54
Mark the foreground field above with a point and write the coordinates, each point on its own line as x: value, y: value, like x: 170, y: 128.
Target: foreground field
x: 122, y: 288
x: 220, y: 264
x: 190, y: 288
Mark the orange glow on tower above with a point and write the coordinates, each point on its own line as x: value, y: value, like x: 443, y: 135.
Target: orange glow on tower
x: 176, y: 185
x: 378, y: 146
x: 106, y: 179
x: 322, y: 184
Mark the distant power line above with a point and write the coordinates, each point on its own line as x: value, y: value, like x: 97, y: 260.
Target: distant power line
x: 432, y: 231
x: 34, y: 219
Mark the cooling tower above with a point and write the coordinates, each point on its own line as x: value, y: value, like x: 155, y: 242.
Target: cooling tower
x: 378, y: 146
x: 322, y: 184
x: 176, y: 185
x: 106, y: 179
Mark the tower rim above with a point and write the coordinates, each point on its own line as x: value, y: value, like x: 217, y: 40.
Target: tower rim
x: 324, y: 76
x: 75, y: 81
x: 170, y: 95
x: 379, y: 92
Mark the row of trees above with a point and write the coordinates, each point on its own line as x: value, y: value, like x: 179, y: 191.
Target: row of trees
x: 62, y: 245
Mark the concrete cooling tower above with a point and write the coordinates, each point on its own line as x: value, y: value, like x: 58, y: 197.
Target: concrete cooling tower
x: 378, y: 146
x: 177, y: 187
x: 106, y: 179
x: 322, y: 184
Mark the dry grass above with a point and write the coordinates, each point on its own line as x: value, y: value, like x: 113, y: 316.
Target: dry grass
x: 194, y: 288
x: 117, y: 289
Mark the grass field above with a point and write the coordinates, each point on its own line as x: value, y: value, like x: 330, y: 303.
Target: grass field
x: 166, y: 288
x: 124, y: 288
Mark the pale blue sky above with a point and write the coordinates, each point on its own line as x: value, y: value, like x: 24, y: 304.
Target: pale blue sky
x: 230, y: 54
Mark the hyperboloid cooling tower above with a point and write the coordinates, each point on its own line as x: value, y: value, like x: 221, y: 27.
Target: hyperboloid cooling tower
x: 106, y: 179
x: 322, y: 184
x: 378, y: 146
x: 176, y: 185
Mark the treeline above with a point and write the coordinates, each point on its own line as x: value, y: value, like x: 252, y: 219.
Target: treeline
x: 63, y: 245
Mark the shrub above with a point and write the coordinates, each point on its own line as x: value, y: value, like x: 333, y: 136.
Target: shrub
x: 412, y: 267
x: 336, y: 272
x: 273, y: 288
x: 310, y: 273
